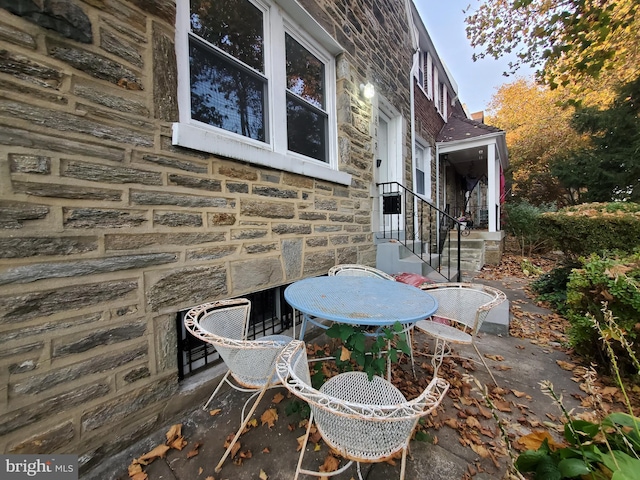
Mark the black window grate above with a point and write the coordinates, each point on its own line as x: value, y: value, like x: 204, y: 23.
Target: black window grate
x: 270, y: 315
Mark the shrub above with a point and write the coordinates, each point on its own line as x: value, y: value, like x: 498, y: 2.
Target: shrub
x: 523, y: 223
x: 593, y: 228
x: 609, y: 279
x: 551, y: 287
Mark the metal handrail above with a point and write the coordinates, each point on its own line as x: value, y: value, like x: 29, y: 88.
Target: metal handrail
x: 420, y: 227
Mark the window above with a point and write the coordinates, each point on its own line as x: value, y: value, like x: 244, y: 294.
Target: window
x: 442, y: 100
x: 421, y: 62
x: 423, y: 171
x: 429, y: 79
x: 256, y: 85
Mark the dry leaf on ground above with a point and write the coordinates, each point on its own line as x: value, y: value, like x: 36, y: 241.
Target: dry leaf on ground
x: 269, y: 417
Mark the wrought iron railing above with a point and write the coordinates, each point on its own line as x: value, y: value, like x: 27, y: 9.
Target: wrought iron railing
x: 421, y: 228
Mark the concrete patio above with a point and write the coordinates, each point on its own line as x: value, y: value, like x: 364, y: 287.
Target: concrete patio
x: 521, y: 365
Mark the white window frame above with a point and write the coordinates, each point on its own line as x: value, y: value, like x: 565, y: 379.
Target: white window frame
x: 423, y: 146
x: 284, y: 16
x: 429, y: 78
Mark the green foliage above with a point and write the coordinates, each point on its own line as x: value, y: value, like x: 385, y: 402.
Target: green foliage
x: 614, y: 442
x: 609, y: 169
x: 612, y: 280
x: 366, y: 350
x: 595, y: 227
x: 551, y: 287
x: 571, y: 40
x: 523, y: 222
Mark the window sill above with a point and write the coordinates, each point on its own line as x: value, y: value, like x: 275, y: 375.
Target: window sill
x: 197, y: 138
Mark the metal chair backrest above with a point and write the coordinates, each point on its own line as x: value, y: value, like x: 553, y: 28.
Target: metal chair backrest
x: 365, y: 421
x: 467, y: 304
x: 224, y: 324
x: 356, y: 270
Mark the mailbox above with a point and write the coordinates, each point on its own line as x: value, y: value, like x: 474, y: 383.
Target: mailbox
x: 392, y: 204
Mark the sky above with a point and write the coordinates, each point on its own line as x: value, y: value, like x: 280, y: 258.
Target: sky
x: 477, y: 81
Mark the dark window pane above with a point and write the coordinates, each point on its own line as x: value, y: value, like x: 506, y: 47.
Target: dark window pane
x: 305, y: 73
x: 306, y: 130
x: 224, y: 95
x: 420, y: 181
x: 234, y: 26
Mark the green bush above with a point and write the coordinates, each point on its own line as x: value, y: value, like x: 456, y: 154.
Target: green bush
x: 551, y: 287
x: 610, y: 279
x: 523, y: 223
x: 593, y: 228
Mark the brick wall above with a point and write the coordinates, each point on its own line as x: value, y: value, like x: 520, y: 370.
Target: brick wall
x: 107, y: 230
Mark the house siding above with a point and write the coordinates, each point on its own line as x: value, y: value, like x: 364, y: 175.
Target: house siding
x: 107, y: 229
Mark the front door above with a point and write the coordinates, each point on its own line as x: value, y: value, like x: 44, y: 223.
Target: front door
x: 388, y: 162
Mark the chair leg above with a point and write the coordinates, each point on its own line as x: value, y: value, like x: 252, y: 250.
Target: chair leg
x: 485, y: 364
x: 403, y: 464
x: 244, y: 424
x: 224, y: 379
x: 304, y: 446
x: 438, y: 355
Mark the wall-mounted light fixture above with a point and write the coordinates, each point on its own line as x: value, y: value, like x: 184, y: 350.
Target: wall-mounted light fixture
x: 367, y: 90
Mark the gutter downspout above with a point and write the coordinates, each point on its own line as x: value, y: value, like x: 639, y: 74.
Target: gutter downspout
x: 414, y: 66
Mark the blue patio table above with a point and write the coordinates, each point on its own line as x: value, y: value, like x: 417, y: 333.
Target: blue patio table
x: 358, y: 301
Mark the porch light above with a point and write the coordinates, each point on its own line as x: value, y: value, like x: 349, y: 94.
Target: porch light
x: 367, y: 90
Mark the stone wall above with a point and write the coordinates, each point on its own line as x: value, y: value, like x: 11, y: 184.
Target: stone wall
x: 107, y: 230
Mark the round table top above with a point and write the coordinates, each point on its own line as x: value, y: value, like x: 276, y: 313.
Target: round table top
x: 360, y: 300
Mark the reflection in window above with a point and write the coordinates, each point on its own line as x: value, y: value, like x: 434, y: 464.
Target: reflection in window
x: 224, y: 96
x: 306, y: 118
x: 233, y: 26
x: 306, y: 130
x: 225, y: 91
x: 420, y: 171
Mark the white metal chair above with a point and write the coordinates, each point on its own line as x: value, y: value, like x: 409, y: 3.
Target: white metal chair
x: 364, y: 421
x: 251, y: 363
x: 462, y: 307
x: 359, y: 271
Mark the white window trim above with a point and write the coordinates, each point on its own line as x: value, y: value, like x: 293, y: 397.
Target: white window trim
x: 426, y: 156
x: 429, y: 76
x: 273, y: 154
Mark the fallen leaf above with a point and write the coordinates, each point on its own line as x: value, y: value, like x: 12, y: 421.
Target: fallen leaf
x: 263, y: 475
x: 533, y: 440
x: 140, y: 476
x: 277, y: 398
x: 451, y: 422
x: 565, y: 365
x: 235, y: 448
x: 266, y: 450
x: 502, y: 368
x: 159, y: 452
x: 134, y: 468
x: 174, y: 432
x: 269, y: 417
x: 300, y: 440
x: 330, y: 464
x: 345, y: 354
x: 518, y: 394
x: 209, y: 478
x: 497, y: 358
x: 473, y: 422
x: 215, y: 412
x: 480, y: 450
x: 194, y: 451
x: 179, y: 443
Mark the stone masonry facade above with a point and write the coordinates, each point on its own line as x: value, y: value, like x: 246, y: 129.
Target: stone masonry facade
x: 107, y: 230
